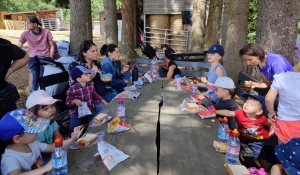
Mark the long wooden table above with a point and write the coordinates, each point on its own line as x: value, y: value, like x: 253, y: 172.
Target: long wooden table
x: 185, y: 148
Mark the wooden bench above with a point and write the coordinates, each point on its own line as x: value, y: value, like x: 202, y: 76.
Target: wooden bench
x: 190, y: 69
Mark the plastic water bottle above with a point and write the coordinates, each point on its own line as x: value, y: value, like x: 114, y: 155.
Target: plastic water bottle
x: 233, y: 148
x: 222, y: 131
x: 59, y: 158
x: 120, y: 109
x: 140, y: 83
x: 177, y: 82
x: 261, y: 171
x: 194, y: 88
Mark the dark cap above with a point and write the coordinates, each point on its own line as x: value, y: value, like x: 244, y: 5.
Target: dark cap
x: 260, y: 98
x: 34, y: 19
x: 216, y: 48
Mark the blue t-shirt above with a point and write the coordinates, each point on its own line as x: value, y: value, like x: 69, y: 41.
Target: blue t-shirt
x: 212, y: 77
x: 276, y: 64
x: 47, y: 135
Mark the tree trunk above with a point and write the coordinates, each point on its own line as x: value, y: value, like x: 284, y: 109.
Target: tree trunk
x: 198, y: 21
x: 111, y: 25
x: 236, y: 37
x: 277, y: 25
x: 212, y: 34
x: 80, y: 23
x: 129, y: 11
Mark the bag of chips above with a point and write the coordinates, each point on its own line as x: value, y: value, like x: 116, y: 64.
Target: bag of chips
x: 83, y: 110
x: 117, y: 125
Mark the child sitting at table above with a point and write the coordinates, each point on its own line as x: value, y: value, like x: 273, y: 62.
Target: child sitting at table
x: 19, y: 129
x: 82, y: 91
x: 251, y: 125
x: 223, y: 87
x: 214, y: 56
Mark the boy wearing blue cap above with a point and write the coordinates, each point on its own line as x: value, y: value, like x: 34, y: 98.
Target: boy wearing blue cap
x: 82, y: 91
x: 252, y: 125
x: 19, y: 129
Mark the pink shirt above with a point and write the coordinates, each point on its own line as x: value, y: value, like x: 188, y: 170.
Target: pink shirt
x: 38, y: 44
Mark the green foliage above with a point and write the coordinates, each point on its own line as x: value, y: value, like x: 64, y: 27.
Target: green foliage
x: 252, y: 21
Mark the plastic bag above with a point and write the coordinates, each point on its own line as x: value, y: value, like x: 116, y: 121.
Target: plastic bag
x: 75, y: 145
x: 129, y: 94
x: 83, y: 110
x: 117, y: 125
x: 189, y: 100
x: 94, y: 124
x: 208, y: 112
x: 110, y: 155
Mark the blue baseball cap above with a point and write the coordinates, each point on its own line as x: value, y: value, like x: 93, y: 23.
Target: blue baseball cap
x: 216, y: 48
x: 19, y: 121
x: 77, y: 71
x: 259, y: 98
x: 288, y: 155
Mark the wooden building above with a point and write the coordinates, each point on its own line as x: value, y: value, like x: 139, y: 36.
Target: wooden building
x: 16, y: 20
x: 176, y: 7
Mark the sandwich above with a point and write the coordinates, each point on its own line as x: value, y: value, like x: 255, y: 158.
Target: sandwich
x: 100, y: 118
x: 220, y: 146
x: 236, y: 170
x: 87, y: 139
x: 192, y: 106
x: 125, y: 95
x: 248, y: 83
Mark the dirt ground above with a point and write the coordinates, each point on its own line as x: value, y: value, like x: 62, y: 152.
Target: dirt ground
x: 20, y: 78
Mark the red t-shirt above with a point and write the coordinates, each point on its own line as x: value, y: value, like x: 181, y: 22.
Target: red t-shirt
x: 249, y: 129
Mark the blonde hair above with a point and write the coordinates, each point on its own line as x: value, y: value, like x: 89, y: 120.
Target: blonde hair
x: 296, y: 65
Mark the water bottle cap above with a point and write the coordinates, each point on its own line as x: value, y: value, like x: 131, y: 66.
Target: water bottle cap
x: 120, y: 99
x: 58, y: 141
x: 235, y: 133
x: 225, y: 120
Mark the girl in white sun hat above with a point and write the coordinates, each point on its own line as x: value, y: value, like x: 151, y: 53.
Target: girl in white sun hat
x: 42, y: 104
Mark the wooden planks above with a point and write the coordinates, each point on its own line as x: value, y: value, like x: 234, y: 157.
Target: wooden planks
x: 14, y: 25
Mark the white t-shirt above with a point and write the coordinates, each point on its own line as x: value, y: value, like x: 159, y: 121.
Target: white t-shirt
x: 12, y: 160
x: 287, y: 85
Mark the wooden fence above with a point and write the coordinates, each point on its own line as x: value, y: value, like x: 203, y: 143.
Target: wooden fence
x: 14, y: 25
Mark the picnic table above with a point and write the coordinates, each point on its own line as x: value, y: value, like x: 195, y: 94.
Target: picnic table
x: 185, y: 142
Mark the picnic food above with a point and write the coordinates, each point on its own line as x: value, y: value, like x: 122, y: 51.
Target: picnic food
x: 117, y: 125
x: 192, y: 106
x: 87, y: 139
x: 237, y: 170
x: 125, y: 95
x: 100, y: 117
x: 106, y: 77
x: 220, y: 146
x: 209, y: 112
x: 248, y: 83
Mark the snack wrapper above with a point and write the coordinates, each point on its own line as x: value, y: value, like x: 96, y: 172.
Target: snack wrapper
x: 117, y: 125
x: 110, y: 155
x: 272, y: 129
x: 189, y: 100
x: 130, y: 95
x: 209, y: 112
x: 83, y: 110
x: 196, y: 99
x: 187, y: 88
x: 75, y: 145
x: 94, y: 124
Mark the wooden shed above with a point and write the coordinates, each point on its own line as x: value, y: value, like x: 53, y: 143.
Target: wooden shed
x: 172, y: 8
x: 16, y: 20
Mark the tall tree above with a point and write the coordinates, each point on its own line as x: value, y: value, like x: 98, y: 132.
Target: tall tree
x: 198, y: 22
x: 80, y: 24
x: 129, y: 11
x: 236, y: 36
x: 277, y: 26
x: 212, y: 34
x: 110, y: 26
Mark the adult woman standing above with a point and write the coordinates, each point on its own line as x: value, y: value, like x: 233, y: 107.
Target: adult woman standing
x: 88, y: 58
x: 169, y: 69
x: 112, y: 53
x: 269, y: 64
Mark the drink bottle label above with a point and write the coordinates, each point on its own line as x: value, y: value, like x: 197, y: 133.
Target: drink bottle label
x: 57, y: 163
